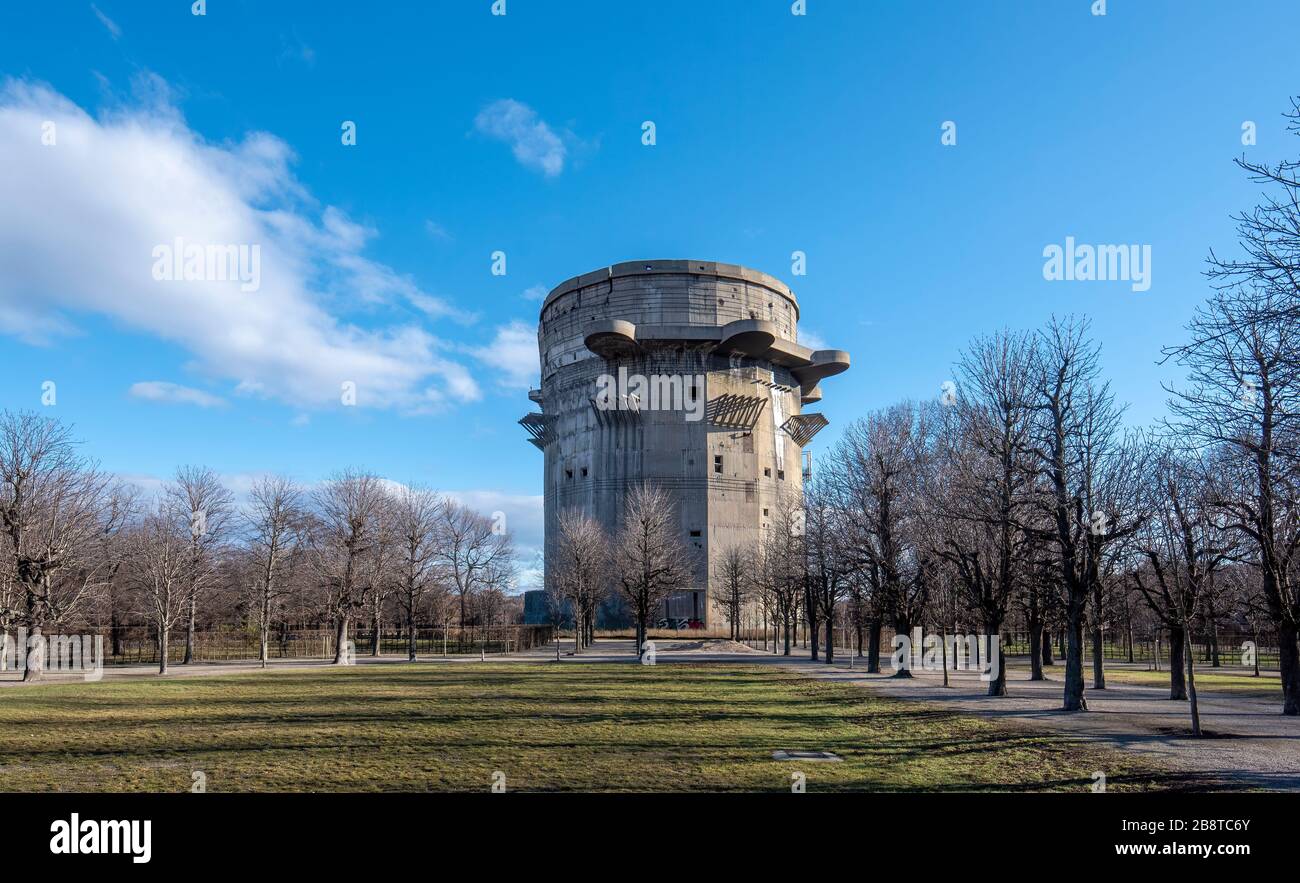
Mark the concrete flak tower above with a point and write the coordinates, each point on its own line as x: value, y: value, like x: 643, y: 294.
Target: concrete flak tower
x: 686, y: 374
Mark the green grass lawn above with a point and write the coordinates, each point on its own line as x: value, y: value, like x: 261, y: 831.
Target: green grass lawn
x: 575, y: 727
x: 1208, y: 680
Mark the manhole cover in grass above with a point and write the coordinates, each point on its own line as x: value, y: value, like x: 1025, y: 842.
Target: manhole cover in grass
x: 811, y: 756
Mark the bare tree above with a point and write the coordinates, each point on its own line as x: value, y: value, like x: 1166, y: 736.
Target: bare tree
x: 1183, y: 544
x: 1243, y: 393
x: 347, y: 510
x: 417, y: 510
x: 160, y: 556
x: 1087, y: 476
x: 781, y: 569
x: 828, y: 560
x: 1243, y: 397
x: 381, y: 567
x: 120, y: 514
x: 470, y: 545
x: 878, y: 466
x: 984, y: 478
x: 733, y: 568
x: 1269, y: 236
x: 274, y: 520
x: 649, y: 559
x: 199, y: 501
x: 53, y: 507
x: 581, y: 570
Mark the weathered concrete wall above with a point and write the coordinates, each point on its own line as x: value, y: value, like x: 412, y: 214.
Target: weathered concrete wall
x: 728, y: 333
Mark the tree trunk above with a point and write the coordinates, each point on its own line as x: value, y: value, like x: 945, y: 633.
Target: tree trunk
x: 1047, y: 647
x: 943, y: 644
x: 1177, y: 666
x: 1074, y: 700
x: 374, y: 639
x: 189, y: 628
x: 1098, y: 657
x: 1036, y: 652
x: 341, y: 657
x: 115, y: 629
x: 815, y: 628
x: 1289, y: 663
x: 33, y: 663
x: 410, y: 638
x: 785, y: 651
x: 263, y: 642
x: 830, y: 644
x: 904, y: 627
x: 873, y: 646
x: 1191, y: 692
x: 997, y: 685
x: 162, y: 650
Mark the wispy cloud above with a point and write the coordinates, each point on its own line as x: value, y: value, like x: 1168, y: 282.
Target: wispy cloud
x: 535, y: 292
x: 534, y: 143
x: 513, y: 353
x: 174, y: 393
x: 292, y: 48
x: 811, y: 339
x: 436, y: 231
x: 113, y: 30
x: 116, y: 186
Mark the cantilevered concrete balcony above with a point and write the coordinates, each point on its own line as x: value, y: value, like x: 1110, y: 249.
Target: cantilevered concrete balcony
x: 611, y: 338
x: 753, y: 337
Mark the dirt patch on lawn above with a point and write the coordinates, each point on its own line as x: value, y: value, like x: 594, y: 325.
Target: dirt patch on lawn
x: 709, y: 645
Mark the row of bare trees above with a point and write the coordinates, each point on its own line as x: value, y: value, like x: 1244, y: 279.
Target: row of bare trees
x: 81, y: 546
x: 1021, y: 493
x: 645, y: 561
x: 1020, y: 496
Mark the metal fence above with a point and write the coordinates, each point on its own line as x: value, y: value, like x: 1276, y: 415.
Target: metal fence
x: 1152, y: 649
x: 139, y: 644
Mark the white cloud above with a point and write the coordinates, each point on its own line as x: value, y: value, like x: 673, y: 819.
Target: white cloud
x: 292, y: 48
x: 524, y: 517
x: 810, y: 339
x: 534, y: 143
x: 535, y: 292
x: 84, y: 215
x: 107, y: 22
x: 174, y: 393
x: 513, y: 352
x: 524, y: 513
x: 436, y: 230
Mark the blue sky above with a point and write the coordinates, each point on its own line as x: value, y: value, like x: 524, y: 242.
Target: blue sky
x: 522, y: 133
